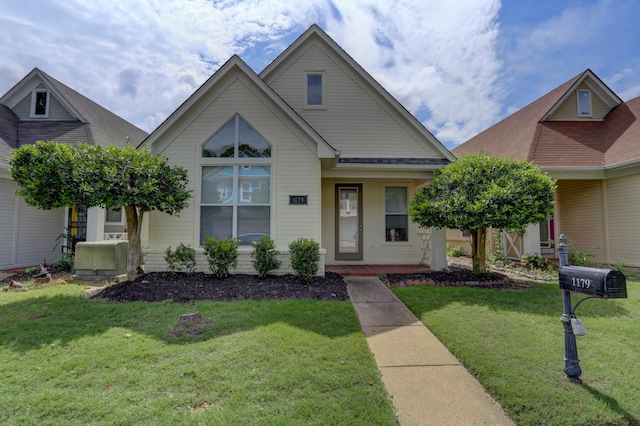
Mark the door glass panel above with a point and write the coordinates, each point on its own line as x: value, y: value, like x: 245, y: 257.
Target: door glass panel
x: 348, y: 221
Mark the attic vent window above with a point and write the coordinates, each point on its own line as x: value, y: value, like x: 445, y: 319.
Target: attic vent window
x: 314, y: 83
x: 584, y: 103
x: 40, y: 104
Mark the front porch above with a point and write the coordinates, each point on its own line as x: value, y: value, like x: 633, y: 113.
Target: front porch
x: 374, y: 270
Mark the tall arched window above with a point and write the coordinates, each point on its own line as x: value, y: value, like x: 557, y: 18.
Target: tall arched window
x: 235, y: 190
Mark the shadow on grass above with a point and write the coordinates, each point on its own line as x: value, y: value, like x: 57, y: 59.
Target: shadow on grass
x: 540, y: 299
x: 613, y: 404
x: 42, y: 319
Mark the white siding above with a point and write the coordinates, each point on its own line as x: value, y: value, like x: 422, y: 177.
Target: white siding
x: 7, y: 223
x: 356, y: 120
x: 623, y: 205
x: 295, y: 168
x: 38, y: 231
x: 56, y: 111
x: 375, y: 247
x: 28, y: 235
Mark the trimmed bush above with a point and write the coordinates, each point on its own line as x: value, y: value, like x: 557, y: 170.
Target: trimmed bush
x: 535, y: 262
x: 221, y: 254
x: 265, y: 256
x: 183, y: 258
x: 305, y: 258
x: 455, y: 251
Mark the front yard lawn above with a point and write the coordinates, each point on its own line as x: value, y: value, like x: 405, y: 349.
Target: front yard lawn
x: 513, y: 341
x: 70, y: 360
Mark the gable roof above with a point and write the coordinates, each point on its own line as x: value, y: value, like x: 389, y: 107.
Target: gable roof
x: 315, y: 33
x: 236, y: 64
x: 95, y: 124
x: 530, y: 134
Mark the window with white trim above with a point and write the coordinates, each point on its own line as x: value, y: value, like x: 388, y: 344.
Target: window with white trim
x: 314, y: 89
x: 114, y: 217
x: 584, y: 103
x: 40, y: 103
x: 235, y: 189
x: 396, y: 214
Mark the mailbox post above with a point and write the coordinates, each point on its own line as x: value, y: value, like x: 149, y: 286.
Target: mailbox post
x: 571, y: 362
x: 594, y: 282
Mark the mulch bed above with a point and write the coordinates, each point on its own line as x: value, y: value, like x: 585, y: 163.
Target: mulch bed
x: 184, y: 288
x: 454, y: 276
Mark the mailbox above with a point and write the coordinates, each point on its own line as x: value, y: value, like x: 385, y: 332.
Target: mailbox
x: 604, y: 283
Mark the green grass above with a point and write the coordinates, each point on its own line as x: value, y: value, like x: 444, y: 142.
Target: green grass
x: 513, y: 342
x: 70, y: 360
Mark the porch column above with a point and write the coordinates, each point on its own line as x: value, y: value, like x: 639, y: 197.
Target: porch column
x: 438, y: 259
x: 531, y: 239
x: 95, y: 224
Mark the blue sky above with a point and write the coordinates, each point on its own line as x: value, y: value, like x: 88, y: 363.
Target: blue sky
x: 458, y: 66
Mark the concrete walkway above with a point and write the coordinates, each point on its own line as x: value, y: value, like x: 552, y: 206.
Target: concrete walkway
x: 427, y: 384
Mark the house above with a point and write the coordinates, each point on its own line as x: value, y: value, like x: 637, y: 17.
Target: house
x: 586, y: 137
x: 311, y: 147
x: 40, y: 107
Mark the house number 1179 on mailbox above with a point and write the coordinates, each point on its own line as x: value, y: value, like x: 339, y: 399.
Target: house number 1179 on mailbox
x: 580, y: 282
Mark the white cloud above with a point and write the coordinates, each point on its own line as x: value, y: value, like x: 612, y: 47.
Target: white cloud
x: 438, y: 58
x: 142, y: 59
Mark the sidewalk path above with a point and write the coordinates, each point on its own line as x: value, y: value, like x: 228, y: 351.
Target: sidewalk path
x: 427, y: 384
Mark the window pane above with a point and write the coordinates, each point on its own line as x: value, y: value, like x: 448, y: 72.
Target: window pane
x: 253, y: 223
x: 254, y: 185
x: 396, y: 227
x: 396, y: 199
x: 251, y: 143
x: 41, y: 103
x: 222, y: 143
x: 584, y: 102
x: 216, y: 222
x: 114, y: 216
x: 217, y: 185
x: 314, y: 89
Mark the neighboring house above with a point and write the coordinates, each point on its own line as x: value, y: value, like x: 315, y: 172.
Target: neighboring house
x: 312, y: 147
x: 42, y: 108
x: 583, y: 135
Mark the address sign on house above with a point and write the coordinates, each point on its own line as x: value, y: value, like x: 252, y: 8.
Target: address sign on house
x: 298, y: 200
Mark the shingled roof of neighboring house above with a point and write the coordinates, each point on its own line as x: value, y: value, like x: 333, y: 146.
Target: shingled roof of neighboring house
x: 528, y: 135
x: 105, y: 127
x: 93, y: 123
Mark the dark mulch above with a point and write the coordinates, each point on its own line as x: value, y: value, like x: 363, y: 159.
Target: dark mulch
x: 457, y: 276
x: 450, y: 274
x: 183, y: 288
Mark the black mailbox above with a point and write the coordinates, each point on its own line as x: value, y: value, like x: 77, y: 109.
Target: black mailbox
x: 605, y: 283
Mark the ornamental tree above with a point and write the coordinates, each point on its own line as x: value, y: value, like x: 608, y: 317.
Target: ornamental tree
x: 52, y: 175
x: 478, y: 192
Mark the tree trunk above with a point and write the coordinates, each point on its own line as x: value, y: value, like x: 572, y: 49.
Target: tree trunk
x: 478, y: 250
x: 134, y: 228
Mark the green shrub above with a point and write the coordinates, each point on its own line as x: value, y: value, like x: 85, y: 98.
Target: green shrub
x: 577, y: 257
x: 265, y: 256
x: 222, y: 254
x: 305, y: 257
x: 183, y: 258
x: 64, y: 263
x: 535, y: 262
x: 456, y: 251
